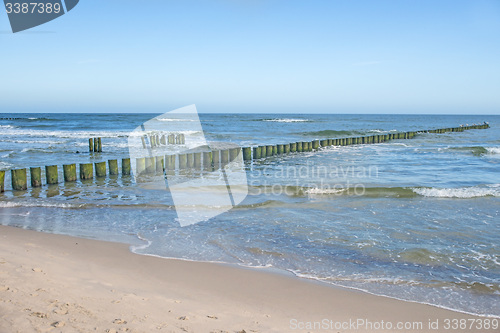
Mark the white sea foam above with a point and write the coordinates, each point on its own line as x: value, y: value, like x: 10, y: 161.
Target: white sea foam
x: 7, y: 126
x: 287, y: 120
x: 76, y: 134
x: 324, y: 191
x: 493, y: 150
x: 10, y: 204
x: 5, y: 165
x: 173, y: 119
x: 462, y: 193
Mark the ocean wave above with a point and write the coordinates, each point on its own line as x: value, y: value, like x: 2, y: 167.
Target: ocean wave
x: 324, y: 191
x: 7, y: 126
x: 329, y: 133
x: 80, y: 134
x: 474, y: 150
x: 287, y: 120
x: 174, y: 119
x: 11, y: 204
x: 385, y: 192
x: 373, y: 192
x: 493, y: 150
x: 462, y: 192
x: 5, y: 165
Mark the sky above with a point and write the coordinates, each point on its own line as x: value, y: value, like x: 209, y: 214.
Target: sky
x: 262, y: 56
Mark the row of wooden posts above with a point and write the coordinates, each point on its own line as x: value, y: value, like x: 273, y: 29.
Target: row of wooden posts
x: 209, y: 159
x: 19, y: 176
x: 271, y: 150
x: 155, y: 140
x: 95, y: 145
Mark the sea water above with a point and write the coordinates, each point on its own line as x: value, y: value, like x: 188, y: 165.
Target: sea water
x: 417, y: 219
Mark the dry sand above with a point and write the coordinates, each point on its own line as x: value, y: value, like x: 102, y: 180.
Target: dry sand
x: 54, y: 283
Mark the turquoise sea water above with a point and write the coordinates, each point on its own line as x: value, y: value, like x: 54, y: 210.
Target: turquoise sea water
x: 413, y: 219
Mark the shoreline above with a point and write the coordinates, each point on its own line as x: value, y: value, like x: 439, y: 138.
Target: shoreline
x: 57, y: 283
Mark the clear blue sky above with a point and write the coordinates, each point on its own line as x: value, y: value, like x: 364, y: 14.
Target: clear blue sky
x: 257, y: 56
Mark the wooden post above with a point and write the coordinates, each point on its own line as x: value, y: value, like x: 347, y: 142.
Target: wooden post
x: 69, y: 171
x: 113, y: 167
x: 307, y: 146
x: 96, y: 145
x: 170, y: 162
x: 91, y: 145
x: 233, y: 153
x: 140, y: 166
x: 100, y: 169
x: 126, y: 167
x: 216, y: 158
x: 263, y: 151
x: 269, y: 150
x: 190, y: 160
x: 99, y: 145
x: 256, y: 153
x: 275, y: 150
x: 323, y: 143
x: 162, y: 140
x: 171, y: 139
x: 293, y: 147
x: 150, y: 165
x: 2, y: 181
x: 182, y: 161
x: 286, y: 148
x: 36, y: 176
x: 143, y: 142
x: 247, y: 153
x: 224, y: 157
x: 197, y: 160
x: 86, y: 171
x: 51, y: 174
x: 183, y: 139
x: 18, y: 179
x: 299, y: 147
x: 315, y: 144
x: 281, y: 149
x: 160, y: 164
x: 208, y: 159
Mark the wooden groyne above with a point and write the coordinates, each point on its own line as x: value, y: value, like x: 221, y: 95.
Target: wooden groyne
x: 206, y: 160
x: 95, y: 145
x: 155, y: 140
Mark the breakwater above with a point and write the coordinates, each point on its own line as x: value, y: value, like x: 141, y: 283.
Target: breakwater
x: 208, y: 160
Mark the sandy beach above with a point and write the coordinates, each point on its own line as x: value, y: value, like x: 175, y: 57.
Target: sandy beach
x: 55, y: 283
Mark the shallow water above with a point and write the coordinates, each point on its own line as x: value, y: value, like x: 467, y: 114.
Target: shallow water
x: 413, y: 219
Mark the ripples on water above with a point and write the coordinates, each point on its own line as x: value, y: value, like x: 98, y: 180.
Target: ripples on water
x: 413, y: 219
